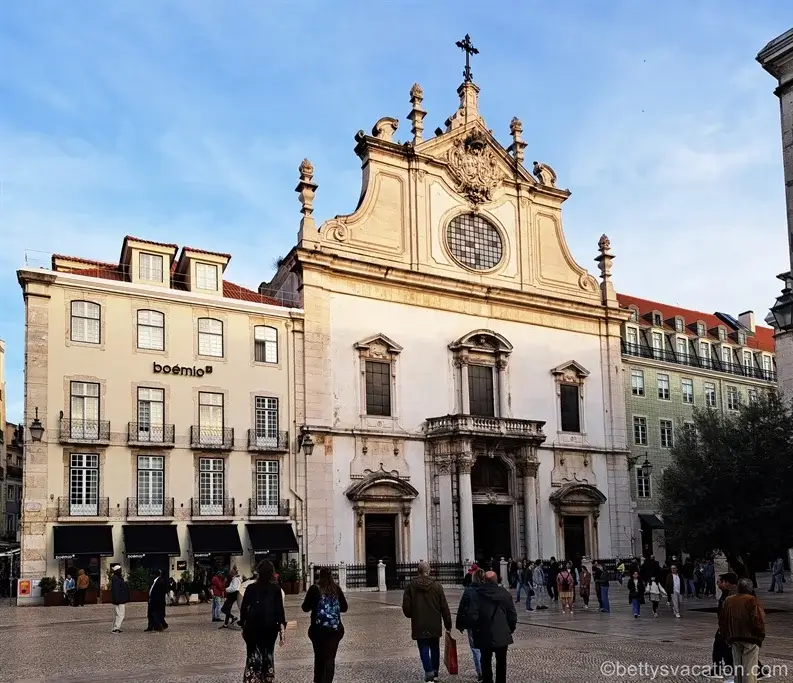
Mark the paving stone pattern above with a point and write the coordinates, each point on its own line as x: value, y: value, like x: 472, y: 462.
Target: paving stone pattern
x: 68, y: 645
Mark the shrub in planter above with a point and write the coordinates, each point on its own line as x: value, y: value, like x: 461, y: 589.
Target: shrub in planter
x: 290, y: 578
x: 138, y: 582
x: 51, y: 591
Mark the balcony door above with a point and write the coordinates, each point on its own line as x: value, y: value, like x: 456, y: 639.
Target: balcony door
x: 84, y: 410
x: 267, y: 488
x: 211, y: 486
x: 210, y: 419
x: 83, y: 485
x: 151, y: 485
x: 266, y: 422
x: 151, y: 414
x: 481, y: 394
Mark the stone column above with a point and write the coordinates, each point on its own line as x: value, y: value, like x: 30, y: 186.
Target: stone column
x: 501, y: 365
x: 528, y: 469
x: 443, y: 465
x: 381, y: 584
x: 465, y: 463
x: 465, y: 396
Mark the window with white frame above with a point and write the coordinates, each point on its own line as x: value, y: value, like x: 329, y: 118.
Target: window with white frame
x: 634, y: 315
x: 266, y: 421
x: 265, y: 344
x: 741, y: 339
x: 481, y: 391
x: 632, y: 336
x: 151, y: 330
x: 657, y: 319
x: 151, y: 485
x: 378, y: 389
x: 768, y: 366
x: 722, y: 334
x: 658, y: 344
x: 83, y: 485
x: 710, y: 395
x: 666, y: 433
x: 151, y: 414
x: 570, y: 407
x: 640, y: 431
x: 210, y: 337
x: 85, y: 323
x: 84, y: 407
x: 748, y: 360
x: 211, y: 486
x: 150, y: 267
x: 700, y: 329
x: 733, y: 398
x: 642, y: 484
x: 206, y: 277
x: 682, y: 349
x: 752, y: 396
x: 726, y: 356
x: 267, y: 488
x: 704, y: 354
x: 687, y: 387
x: 210, y: 418
x: 689, y: 428
x: 663, y: 387
x: 637, y: 382
x: 678, y: 325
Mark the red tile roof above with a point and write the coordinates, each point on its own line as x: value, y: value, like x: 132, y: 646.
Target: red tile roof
x: 130, y: 238
x: 77, y: 259
x: 232, y: 291
x: 763, y: 338
x: 202, y: 251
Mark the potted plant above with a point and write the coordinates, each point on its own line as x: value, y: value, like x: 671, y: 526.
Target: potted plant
x: 138, y: 582
x: 105, y: 594
x: 50, y: 591
x: 290, y: 578
x: 92, y: 594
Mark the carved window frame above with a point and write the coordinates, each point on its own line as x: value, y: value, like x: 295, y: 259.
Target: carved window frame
x: 571, y: 374
x: 487, y: 348
x: 383, y: 350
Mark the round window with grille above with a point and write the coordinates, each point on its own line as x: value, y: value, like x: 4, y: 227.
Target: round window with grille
x: 474, y: 242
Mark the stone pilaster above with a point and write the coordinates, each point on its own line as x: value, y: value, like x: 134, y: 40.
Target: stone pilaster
x: 443, y: 466
x: 465, y: 462
x: 621, y: 522
x: 528, y: 470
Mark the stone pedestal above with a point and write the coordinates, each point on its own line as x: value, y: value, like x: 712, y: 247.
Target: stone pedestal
x: 504, y: 570
x: 381, y: 584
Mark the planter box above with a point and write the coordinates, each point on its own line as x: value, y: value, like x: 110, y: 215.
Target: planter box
x: 138, y: 596
x: 106, y: 596
x: 91, y: 597
x: 54, y: 599
x: 291, y: 587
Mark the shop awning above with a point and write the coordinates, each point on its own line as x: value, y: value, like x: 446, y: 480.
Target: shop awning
x: 272, y: 537
x: 653, y: 521
x: 151, y: 539
x: 82, y: 539
x: 214, y: 539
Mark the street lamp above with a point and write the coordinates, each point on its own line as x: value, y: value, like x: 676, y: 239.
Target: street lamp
x: 36, y: 428
x: 782, y: 310
x: 306, y: 442
x: 646, y: 466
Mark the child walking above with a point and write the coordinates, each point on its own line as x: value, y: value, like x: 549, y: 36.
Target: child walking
x: 656, y: 591
x: 636, y: 593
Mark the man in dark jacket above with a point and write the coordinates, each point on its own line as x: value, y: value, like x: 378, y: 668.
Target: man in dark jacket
x: 156, y: 613
x: 722, y: 652
x: 119, y: 596
x: 553, y: 572
x: 742, y: 623
x: 424, y: 603
x: 493, y: 618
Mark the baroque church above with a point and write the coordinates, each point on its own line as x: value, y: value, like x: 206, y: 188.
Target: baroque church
x: 460, y: 373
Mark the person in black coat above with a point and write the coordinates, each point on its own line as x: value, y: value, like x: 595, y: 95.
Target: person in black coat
x: 263, y: 621
x: 493, y: 619
x: 156, y: 611
x: 326, y: 602
x: 636, y: 590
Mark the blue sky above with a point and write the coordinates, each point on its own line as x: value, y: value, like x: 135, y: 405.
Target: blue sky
x: 185, y: 121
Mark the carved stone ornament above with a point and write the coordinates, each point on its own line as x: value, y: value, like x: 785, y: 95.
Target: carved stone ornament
x: 337, y: 231
x: 588, y: 283
x: 443, y: 464
x: 475, y: 167
x: 385, y: 128
x: 545, y: 174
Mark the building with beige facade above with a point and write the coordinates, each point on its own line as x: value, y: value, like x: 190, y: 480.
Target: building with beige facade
x: 10, y: 472
x: 165, y: 393
x: 462, y: 375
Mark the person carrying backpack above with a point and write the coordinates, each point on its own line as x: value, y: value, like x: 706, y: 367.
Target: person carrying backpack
x: 326, y: 602
x: 565, y: 584
x: 263, y: 622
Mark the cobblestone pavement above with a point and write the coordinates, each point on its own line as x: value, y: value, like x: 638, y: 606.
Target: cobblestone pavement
x: 67, y: 645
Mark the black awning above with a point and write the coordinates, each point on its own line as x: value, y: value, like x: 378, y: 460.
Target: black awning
x: 81, y: 539
x: 151, y: 539
x: 268, y: 537
x: 651, y: 520
x: 214, y: 539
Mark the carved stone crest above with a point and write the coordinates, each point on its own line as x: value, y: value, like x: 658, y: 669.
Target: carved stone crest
x: 475, y: 167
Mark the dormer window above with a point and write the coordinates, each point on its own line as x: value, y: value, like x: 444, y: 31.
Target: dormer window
x: 150, y: 267
x: 679, y: 325
x: 700, y: 329
x: 634, y: 315
x: 657, y: 320
x: 722, y: 334
x: 741, y: 339
x: 206, y: 277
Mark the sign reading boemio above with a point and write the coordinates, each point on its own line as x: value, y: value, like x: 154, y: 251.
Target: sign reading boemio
x: 182, y: 370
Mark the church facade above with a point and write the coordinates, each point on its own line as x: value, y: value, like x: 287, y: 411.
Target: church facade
x: 460, y: 374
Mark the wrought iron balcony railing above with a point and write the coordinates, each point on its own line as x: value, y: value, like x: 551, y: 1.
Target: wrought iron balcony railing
x: 264, y: 508
x: 268, y: 441
x: 212, y: 438
x: 149, y: 507
x: 150, y: 434
x: 212, y: 507
x: 84, y: 431
x: 83, y: 507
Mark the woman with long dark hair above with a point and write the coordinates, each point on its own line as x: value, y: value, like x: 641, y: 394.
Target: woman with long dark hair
x: 326, y: 602
x: 263, y: 622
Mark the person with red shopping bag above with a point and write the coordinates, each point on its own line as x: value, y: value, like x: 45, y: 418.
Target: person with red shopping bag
x: 450, y: 654
x: 493, y: 619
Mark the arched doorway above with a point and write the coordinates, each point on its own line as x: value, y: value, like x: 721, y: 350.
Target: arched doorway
x: 494, y: 509
x: 577, y: 510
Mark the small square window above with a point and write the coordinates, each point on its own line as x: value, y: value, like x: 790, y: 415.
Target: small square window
x: 657, y: 321
x: 150, y: 267
x: 206, y: 277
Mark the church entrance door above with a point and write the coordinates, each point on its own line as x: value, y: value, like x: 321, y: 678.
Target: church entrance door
x: 492, y: 534
x: 380, y: 545
x: 574, y: 537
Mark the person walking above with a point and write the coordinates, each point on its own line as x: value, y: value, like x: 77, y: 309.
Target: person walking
x: 602, y: 586
x: 553, y: 572
x: 493, y: 617
x: 528, y: 584
x: 462, y: 624
x: 584, y: 585
x: 539, y: 585
x: 777, y: 575
x: 217, y: 587
x: 424, y: 603
x: 742, y: 623
x: 674, y: 590
x: 636, y: 594
x: 232, y: 592
x: 119, y: 596
x: 519, y: 580
x: 326, y: 602
x: 82, y: 588
x: 688, y: 578
x: 721, y: 651
x: 565, y: 584
x: 263, y: 621
x: 156, y: 606
x: 655, y: 590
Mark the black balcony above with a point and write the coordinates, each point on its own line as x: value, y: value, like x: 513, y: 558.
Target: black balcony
x: 148, y: 508
x: 153, y: 436
x: 273, y: 442
x: 83, y: 507
x: 84, y: 431
x: 211, y: 438
x: 694, y: 361
x: 212, y: 507
x: 259, y: 509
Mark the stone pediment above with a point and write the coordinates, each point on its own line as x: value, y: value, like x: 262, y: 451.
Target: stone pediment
x: 577, y: 495
x: 381, y: 486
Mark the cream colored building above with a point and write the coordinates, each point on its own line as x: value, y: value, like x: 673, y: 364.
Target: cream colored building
x: 165, y: 393
x: 462, y: 374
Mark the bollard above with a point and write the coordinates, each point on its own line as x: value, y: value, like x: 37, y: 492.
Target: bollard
x: 504, y: 578
x: 343, y: 576
x: 381, y: 586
